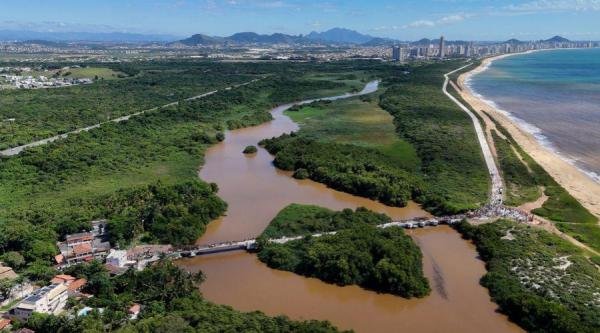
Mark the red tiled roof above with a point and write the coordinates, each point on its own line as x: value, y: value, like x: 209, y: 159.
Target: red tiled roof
x: 77, y: 284
x: 59, y: 258
x: 82, y: 249
x: 62, y: 278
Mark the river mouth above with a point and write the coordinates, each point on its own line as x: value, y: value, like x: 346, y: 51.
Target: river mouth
x: 256, y: 191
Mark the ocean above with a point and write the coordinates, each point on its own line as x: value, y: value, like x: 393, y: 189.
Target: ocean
x: 555, y: 95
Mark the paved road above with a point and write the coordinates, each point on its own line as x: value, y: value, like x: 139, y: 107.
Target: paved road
x: 17, y: 150
x: 497, y: 185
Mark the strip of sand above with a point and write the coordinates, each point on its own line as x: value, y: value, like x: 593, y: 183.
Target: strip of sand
x: 577, y: 183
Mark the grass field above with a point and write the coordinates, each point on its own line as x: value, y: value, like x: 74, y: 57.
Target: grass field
x: 358, y: 121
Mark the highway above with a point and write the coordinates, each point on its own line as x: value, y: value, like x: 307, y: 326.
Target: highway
x: 497, y: 184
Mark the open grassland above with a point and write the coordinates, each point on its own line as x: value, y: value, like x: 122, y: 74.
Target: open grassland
x: 521, y: 186
x: 357, y: 121
x: 542, y: 282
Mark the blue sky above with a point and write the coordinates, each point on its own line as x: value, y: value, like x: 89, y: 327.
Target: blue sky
x: 405, y: 20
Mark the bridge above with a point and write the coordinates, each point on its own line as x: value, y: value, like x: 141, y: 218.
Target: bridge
x: 486, y: 212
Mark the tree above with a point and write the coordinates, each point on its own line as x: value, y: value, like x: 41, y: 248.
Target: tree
x: 6, y: 286
x: 13, y: 259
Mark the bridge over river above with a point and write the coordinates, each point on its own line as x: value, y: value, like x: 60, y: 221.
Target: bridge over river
x: 487, y: 212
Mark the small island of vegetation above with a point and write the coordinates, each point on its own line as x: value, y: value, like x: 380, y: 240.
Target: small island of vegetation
x: 250, y: 150
x: 384, y: 260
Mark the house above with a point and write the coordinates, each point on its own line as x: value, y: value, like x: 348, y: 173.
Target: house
x: 73, y: 284
x: 7, y: 273
x: 117, y: 258
x: 134, y: 311
x: 83, y: 246
x: 63, y: 279
x: 50, y: 299
x: 76, y: 285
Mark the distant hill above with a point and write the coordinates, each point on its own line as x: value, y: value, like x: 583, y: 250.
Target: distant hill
x: 377, y: 41
x: 252, y: 37
x: 242, y: 38
x: 340, y: 36
x: 199, y: 39
x: 21, y: 35
x: 514, y: 41
x: 557, y: 39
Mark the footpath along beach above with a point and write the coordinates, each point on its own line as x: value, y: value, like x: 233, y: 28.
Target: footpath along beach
x: 576, y: 182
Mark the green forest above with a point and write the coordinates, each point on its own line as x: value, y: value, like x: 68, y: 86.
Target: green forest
x: 542, y: 282
x: 49, y: 191
x: 140, y: 174
x: 384, y: 260
x: 435, y: 161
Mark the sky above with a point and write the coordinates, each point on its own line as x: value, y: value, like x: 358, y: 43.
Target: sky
x: 403, y: 20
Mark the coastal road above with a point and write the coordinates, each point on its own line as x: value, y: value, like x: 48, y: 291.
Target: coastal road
x: 18, y: 149
x: 497, y: 184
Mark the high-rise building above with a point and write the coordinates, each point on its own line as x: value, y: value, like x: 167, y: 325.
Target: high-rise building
x: 396, y: 53
x: 442, y: 52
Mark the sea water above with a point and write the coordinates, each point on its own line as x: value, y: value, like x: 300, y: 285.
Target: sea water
x: 553, y: 94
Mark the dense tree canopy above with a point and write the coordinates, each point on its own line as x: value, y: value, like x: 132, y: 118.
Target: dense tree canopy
x: 540, y: 280
x: 385, y: 260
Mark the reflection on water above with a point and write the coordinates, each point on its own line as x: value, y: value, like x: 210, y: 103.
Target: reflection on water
x: 256, y: 192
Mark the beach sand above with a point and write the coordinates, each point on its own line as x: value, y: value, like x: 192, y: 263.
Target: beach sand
x: 577, y: 183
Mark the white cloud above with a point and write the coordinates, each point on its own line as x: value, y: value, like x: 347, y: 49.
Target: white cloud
x: 555, y: 5
x: 421, y: 24
x: 449, y: 19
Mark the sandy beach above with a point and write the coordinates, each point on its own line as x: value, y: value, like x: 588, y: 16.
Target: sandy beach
x: 579, y: 185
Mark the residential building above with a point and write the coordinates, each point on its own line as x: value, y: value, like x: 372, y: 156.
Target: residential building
x: 134, y: 311
x: 74, y: 285
x: 50, y: 299
x: 396, y: 53
x: 84, y: 246
x: 117, y: 258
x: 63, y: 279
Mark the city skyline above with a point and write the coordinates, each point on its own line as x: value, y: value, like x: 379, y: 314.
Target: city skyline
x: 411, y: 20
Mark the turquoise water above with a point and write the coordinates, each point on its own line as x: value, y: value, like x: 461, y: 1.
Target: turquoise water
x: 553, y: 94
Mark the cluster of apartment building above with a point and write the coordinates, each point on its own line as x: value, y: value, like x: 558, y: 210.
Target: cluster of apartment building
x: 441, y: 49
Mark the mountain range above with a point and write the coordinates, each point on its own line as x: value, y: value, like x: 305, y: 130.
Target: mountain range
x: 331, y: 36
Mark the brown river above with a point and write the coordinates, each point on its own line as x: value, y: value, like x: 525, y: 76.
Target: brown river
x: 256, y: 191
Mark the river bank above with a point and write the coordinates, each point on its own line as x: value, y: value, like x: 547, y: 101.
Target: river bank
x: 256, y: 191
x: 576, y: 182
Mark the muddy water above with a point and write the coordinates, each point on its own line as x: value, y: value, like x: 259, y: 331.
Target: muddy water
x: 256, y: 192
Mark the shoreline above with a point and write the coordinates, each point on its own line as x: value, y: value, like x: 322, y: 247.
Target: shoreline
x: 576, y: 181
